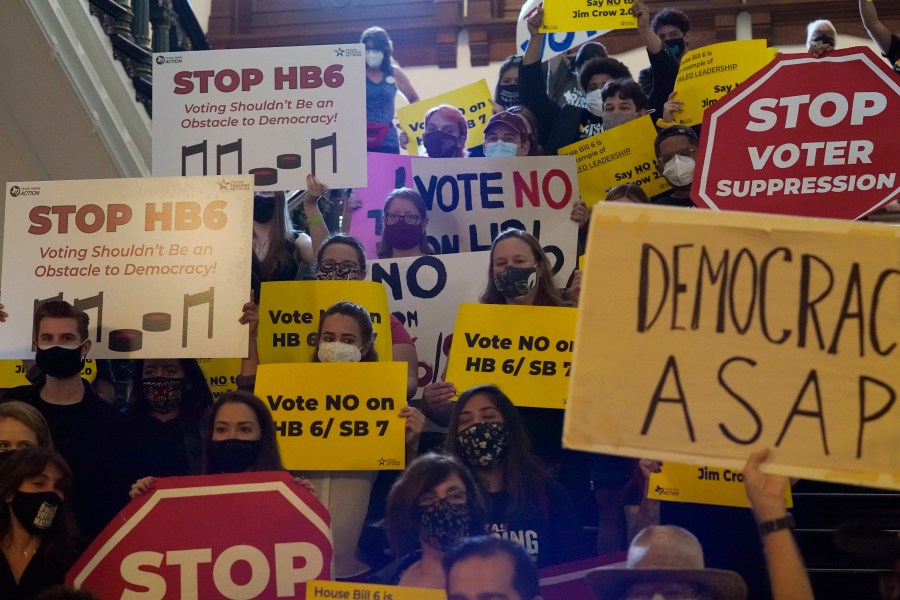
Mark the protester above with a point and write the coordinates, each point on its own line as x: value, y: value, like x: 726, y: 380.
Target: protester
x: 820, y: 37
x: 623, y: 101
x: 562, y: 81
x: 343, y: 257
x: 278, y: 251
x: 787, y: 573
x: 523, y: 503
x: 89, y: 433
x: 405, y: 219
x: 506, y: 94
x: 531, y: 126
x: 22, y: 426
x: 887, y: 42
x: 581, y: 213
x: 665, y: 562
x: 169, y: 400
x: 673, y: 27
x: 506, y: 134
x: 38, y: 536
x: 383, y: 80
x: 433, y: 505
x: 676, y: 153
x: 561, y: 126
x: 445, y: 132
x: 488, y: 568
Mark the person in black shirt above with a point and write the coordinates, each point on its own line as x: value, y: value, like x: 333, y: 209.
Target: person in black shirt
x: 676, y: 153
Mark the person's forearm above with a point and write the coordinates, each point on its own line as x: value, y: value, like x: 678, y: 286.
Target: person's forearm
x: 787, y: 572
x: 880, y: 34
x: 533, y: 51
x: 651, y: 40
x: 318, y: 229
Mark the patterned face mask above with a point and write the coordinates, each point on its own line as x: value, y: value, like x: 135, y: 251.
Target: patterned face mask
x: 483, y: 445
x: 443, y: 524
x: 163, y: 394
x: 515, y: 282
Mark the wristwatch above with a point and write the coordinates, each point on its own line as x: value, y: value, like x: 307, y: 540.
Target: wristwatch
x: 785, y: 522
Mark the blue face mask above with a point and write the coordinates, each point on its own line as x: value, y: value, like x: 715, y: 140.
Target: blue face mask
x: 500, y: 148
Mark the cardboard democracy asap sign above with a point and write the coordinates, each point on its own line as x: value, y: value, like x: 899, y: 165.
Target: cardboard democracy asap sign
x: 723, y: 333
x: 469, y: 201
x: 424, y: 293
x: 275, y: 113
x: 804, y: 136
x: 247, y: 535
x: 159, y: 264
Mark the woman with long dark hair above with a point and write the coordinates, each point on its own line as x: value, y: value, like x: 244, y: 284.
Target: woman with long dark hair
x: 383, y: 79
x: 38, y: 536
x: 523, y: 503
x: 169, y: 400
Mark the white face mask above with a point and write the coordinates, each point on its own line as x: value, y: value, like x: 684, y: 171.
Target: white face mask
x: 679, y: 171
x: 374, y: 58
x: 594, y: 102
x: 338, y: 352
x: 500, y: 148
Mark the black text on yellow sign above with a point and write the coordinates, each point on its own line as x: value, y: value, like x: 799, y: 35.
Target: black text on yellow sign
x: 525, y: 350
x: 336, y: 416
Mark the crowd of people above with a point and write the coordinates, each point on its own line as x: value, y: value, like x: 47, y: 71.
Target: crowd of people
x: 497, y: 496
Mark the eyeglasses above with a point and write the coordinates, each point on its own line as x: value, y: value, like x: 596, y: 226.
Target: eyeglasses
x: 342, y: 268
x: 392, y: 218
x: 457, y: 498
x: 689, y: 152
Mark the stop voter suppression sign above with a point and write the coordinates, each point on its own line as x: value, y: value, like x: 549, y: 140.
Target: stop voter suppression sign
x: 248, y: 535
x: 805, y: 136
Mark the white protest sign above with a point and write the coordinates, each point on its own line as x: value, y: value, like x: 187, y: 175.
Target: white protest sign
x: 554, y: 43
x: 424, y: 294
x: 275, y: 113
x: 471, y: 200
x: 160, y: 265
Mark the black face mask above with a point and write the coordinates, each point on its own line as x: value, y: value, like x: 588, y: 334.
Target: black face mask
x: 163, y: 394
x: 483, y: 445
x: 443, y: 524
x: 508, y: 95
x: 233, y: 455
x: 515, y: 282
x: 676, y: 45
x: 823, y: 38
x: 60, y: 362
x: 439, y: 144
x: 35, y: 511
x: 263, y: 208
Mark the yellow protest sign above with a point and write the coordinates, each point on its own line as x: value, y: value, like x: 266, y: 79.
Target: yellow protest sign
x: 713, y: 334
x: 316, y: 590
x: 587, y: 15
x: 337, y: 416
x: 289, y: 316
x: 702, y: 485
x: 220, y: 374
x: 624, y: 154
x: 710, y: 72
x: 12, y: 373
x: 525, y: 350
x: 473, y: 101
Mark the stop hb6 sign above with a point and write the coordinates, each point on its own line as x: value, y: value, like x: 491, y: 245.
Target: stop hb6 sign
x: 804, y: 136
x: 248, y: 535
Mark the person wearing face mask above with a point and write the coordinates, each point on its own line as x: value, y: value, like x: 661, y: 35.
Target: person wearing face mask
x: 433, y: 505
x: 623, y: 101
x: 38, y: 536
x: 676, y: 154
x: 405, y: 220
x: 506, y: 134
x: 523, y: 503
x: 562, y: 80
x: 506, y: 93
x: 169, y: 399
x: 673, y: 28
x: 278, y: 250
x: 445, y: 134
x: 561, y: 126
x: 343, y: 257
x: 89, y: 433
x: 821, y: 37
x: 346, y: 334
x: 383, y: 80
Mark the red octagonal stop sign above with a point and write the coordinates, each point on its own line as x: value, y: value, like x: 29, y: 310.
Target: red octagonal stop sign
x: 805, y: 136
x: 249, y: 535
